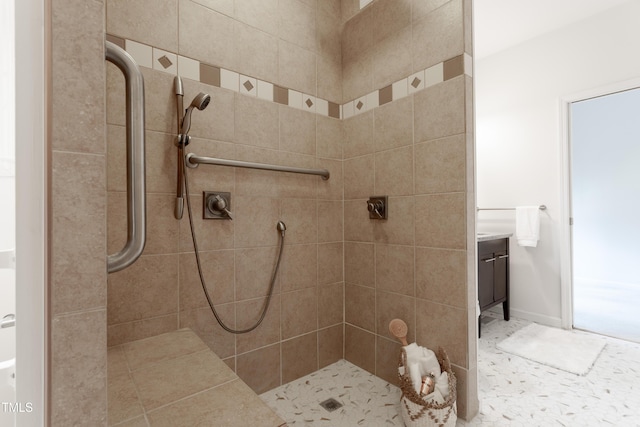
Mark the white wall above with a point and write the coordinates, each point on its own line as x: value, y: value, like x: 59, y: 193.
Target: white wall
x: 519, y: 137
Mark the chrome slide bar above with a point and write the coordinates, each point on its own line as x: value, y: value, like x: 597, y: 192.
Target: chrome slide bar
x: 136, y: 196
x: 541, y: 207
x: 193, y: 161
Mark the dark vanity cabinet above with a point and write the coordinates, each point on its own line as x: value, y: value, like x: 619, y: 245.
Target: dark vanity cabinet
x: 493, y: 275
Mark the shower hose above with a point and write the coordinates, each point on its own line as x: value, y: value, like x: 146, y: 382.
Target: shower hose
x: 202, y: 281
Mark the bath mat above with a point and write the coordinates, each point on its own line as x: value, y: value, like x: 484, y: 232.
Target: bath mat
x: 570, y: 351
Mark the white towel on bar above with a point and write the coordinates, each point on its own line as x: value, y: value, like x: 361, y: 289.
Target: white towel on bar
x: 528, y: 225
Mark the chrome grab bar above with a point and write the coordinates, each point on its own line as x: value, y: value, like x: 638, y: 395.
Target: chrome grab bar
x: 193, y: 161
x: 136, y: 196
x: 8, y: 321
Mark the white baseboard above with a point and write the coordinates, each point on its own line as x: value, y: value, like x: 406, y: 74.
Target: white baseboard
x: 554, y: 322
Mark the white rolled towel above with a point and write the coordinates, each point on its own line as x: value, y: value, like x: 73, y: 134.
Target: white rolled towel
x: 415, y: 375
x: 442, y: 384
x: 429, y: 363
x: 435, y: 396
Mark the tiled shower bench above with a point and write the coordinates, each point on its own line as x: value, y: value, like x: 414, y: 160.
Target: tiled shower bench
x: 175, y: 380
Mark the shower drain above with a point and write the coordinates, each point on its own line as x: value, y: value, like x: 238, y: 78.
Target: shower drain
x: 331, y: 404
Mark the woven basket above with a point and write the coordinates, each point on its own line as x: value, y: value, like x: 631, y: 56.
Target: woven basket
x: 418, y: 413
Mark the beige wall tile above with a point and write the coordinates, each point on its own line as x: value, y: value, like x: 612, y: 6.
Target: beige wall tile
x: 387, y: 358
x: 78, y: 87
x: 359, y: 263
x: 299, y: 357
x: 359, y: 177
x: 394, y: 172
x: 358, y: 34
x: 254, y: 267
x: 297, y: 67
x: 301, y: 218
x: 260, y: 369
x: 330, y: 79
x: 357, y: 75
x: 441, y: 222
x: 399, y: 228
x: 79, y: 367
x: 328, y: 34
x: 440, y: 165
x: 295, y: 185
x: 131, y: 331
x: 261, y: 14
x: 257, y: 122
x: 151, y: 22
x: 360, y: 306
x: 394, y: 124
x: 298, y: 23
x: 330, y: 259
x: 358, y: 135
x: 78, y: 232
x: 349, y: 9
x: 203, y: 323
x: 222, y: 6
x: 442, y: 326
x: 148, y: 288
x: 441, y: 276
x: 438, y: 36
x: 206, y: 35
x: 299, y: 267
x: 439, y: 110
x: 255, y: 227
x: 360, y: 347
x: 217, y: 121
x: 357, y: 225
x: 330, y: 221
x: 331, y: 189
x: 206, y: 177
x: 251, y: 182
x: 159, y: 100
x: 330, y: 345
x: 331, y: 305
x: 218, y: 272
x: 329, y: 137
x: 422, y: 7
x: 116, y: 361
x: 299, y: 312
x: 389, y: 17
x: 394, y: 269
x: 258, y: 55
x: 391, y: 306
x: 297, y: 131
x: 247, y: 314
x: 233, y: 402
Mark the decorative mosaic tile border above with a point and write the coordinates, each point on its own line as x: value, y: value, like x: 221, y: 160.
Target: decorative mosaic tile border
x: 158, y: 59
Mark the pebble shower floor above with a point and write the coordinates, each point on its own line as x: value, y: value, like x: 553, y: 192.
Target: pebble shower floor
x: 513, y: 391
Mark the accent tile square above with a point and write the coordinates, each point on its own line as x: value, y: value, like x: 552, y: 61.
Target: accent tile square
x: 165, y: 61
x: 248, y: 86
x: 188, y: 68
x: 118, y: 41
x: 322, y: 107
x: 229, y: 80
x: 360, y: 105
x: 348, y: 110
x: 373, y: 100
x: 210, y: 75
x: 385, y: 95
x: 453, y: 67
x: 280, y: 95
x: 416, y: 82
x: 141, y: 53
x: 265, y: 90
x: 434, y: 75
x: 309, y: 103
x: 399, y: 89
x: 295, y: 99
x: 334, y: 110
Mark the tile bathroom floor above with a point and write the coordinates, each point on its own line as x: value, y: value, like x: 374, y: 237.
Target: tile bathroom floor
x: 513, y: 391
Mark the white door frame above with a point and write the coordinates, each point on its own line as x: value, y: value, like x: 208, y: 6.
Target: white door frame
x: 31, y: 209
x: 566, y: 264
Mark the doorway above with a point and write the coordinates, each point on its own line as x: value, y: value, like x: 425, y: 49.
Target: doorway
x: 605, y: 211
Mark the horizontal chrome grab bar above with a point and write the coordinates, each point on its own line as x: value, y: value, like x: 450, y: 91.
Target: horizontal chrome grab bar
x: 8, y: 321
x: 194, y: 161
x: 541, y: 207
x: 136, y: 197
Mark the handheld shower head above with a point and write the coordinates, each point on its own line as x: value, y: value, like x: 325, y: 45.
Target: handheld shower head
x: 200, y: 102
x: 281, y: 227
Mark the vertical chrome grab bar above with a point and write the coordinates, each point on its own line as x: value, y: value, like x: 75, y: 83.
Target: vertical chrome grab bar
x: 136, y: 196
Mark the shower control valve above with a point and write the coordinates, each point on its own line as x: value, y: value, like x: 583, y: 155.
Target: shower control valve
x: 216, y: 205
x: 377, y: 207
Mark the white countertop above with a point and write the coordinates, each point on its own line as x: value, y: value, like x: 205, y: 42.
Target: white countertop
x: 483, y: 236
